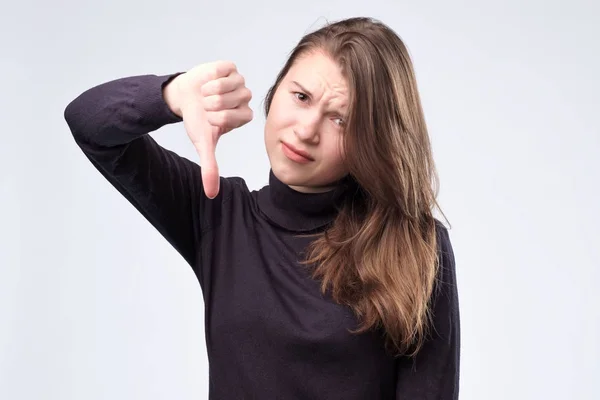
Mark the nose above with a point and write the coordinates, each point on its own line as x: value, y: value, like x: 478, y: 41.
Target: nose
x: 307, y: 129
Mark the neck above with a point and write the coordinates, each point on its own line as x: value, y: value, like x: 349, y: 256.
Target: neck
x: 312, y: 189
x: 300, y: 208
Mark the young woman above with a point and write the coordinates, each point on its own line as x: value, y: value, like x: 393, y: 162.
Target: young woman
x: 335, y: 281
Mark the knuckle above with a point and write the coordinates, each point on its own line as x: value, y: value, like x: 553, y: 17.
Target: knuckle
x: 221, y: 118
x: 212, y: 116
x: 223, y: 68
x: 210, y: 74
x: 206, y: 103
x: 220, y: 86
x: 213, y: 103
x: 225, y: 118
x: 206, y: 89
x: 217, y: 102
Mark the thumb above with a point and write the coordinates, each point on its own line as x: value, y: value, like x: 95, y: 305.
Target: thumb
x: 205, y: 142
x: 206, y: 148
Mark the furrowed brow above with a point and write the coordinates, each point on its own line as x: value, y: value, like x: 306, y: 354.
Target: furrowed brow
x: 303, y: 88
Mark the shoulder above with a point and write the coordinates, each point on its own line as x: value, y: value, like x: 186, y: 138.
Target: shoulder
x: 229, y: 203
x: 444, y: 243
x: 233, y: 186
x: 445, y: 253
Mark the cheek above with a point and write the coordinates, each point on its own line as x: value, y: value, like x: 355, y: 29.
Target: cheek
x: 334, y: 153
x: 272, y: 128
x: 273, y: 131
x: 277, y: 121
x: 271, y: 121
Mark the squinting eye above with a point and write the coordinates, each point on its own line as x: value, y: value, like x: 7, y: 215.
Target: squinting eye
x: 301, y: 96
x: 341, y: 121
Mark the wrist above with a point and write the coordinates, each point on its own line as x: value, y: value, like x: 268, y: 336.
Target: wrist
x: 171, y: 96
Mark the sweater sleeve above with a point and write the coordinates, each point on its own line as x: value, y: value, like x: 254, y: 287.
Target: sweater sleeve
x: 110, y: 124
x: 433, y: 374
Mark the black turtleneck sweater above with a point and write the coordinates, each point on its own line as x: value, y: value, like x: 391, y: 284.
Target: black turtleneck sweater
x: 270, y: 333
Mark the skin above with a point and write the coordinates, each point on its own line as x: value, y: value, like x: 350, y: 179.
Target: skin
x: 308, y: 112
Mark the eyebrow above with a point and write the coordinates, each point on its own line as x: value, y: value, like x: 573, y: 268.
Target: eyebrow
x: 303, y: 88
x: 307, y: 92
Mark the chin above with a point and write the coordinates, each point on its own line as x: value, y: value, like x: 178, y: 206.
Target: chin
x: 291, y: 175
x: 304, y: 181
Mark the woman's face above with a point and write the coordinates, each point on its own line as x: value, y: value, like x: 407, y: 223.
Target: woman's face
x: 307, y: 115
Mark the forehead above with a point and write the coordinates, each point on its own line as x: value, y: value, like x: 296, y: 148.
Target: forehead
x: 318, y: 71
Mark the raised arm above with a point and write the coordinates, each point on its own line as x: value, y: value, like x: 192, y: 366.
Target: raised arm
x: 110, y: 123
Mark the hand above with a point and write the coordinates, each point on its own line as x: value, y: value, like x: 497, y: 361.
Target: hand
x: 212, y: 99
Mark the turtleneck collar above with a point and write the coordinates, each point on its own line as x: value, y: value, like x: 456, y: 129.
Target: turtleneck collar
x: 297, y: 211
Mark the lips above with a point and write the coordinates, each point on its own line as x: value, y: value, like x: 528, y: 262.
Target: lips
x: 299, y: 152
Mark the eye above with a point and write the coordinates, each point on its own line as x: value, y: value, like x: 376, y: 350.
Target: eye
x: 301, y: 96
x: 339, y: 121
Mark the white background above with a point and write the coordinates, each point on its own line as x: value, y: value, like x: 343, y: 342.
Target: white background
x: 94, y: 304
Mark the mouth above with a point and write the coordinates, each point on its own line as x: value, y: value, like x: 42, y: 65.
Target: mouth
x: 295, y: 154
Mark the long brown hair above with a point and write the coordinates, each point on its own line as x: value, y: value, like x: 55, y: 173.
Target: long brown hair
x: 379, y: 256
